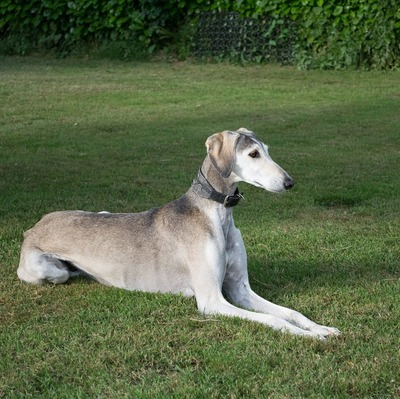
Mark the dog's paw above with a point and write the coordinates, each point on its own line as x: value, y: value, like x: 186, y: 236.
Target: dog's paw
x: 326, y: 331
x: 334, y: 331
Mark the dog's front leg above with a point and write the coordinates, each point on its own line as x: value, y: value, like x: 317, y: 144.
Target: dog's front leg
x: 260, y: 304
x: 208, y: 275
x: 224, y: 308
x: 237, y: 288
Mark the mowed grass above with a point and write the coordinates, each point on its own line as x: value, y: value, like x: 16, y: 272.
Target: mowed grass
x: 121, y: 137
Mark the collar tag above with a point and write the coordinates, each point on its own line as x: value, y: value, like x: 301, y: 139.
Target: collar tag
x: 233, y: 200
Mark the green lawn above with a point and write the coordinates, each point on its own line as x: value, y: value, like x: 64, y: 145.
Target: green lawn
x: 99, y: 135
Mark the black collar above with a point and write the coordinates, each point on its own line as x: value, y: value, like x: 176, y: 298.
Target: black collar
x: 204, y: 189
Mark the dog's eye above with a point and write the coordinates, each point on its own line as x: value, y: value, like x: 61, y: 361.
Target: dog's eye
x: 254, y: 154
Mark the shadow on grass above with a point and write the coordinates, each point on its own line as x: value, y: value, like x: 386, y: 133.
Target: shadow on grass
x: 283, y: 277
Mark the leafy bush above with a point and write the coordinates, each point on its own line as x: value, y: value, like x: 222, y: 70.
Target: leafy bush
x: 357, y: 33
x: 331, y: 34
x: 63, y: 24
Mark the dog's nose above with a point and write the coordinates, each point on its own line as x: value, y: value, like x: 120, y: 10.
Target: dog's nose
x: 288, y: 183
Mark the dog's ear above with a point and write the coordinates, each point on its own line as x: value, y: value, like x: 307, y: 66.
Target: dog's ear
x: 247, y: 132
x: 221, y: 147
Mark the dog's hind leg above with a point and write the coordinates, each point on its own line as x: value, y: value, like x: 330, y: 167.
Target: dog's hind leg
x: 38, y: 267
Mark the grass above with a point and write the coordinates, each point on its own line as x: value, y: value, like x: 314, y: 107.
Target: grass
x: 100, y: 135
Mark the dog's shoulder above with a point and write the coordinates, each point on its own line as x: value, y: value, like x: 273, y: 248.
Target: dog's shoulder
x: 182, y: 212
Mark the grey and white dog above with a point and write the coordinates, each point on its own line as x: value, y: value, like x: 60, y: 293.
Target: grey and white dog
x: 189, y: 246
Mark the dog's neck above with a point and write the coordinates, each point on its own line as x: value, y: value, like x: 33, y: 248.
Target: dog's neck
x: 223, y: 185
x: 209, y: 184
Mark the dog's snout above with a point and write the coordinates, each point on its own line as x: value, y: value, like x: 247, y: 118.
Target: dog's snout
x: 288, y: 183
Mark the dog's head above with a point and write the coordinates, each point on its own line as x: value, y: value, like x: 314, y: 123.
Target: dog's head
x: 240, y: 156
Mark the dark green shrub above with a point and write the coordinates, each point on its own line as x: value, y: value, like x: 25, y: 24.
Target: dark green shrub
x: 64, y: 24
x: 328, y: 34
x: 357, y: 33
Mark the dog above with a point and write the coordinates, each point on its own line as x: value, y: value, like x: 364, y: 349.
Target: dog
x: 189, y: 246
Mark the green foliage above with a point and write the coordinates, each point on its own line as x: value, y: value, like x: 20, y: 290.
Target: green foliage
x: 334, y: 35
x: 63, y: 24
x: 359, y: 33
x: 344, y: 33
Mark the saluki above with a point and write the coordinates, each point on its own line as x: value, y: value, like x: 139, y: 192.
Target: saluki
x: 189, y: 246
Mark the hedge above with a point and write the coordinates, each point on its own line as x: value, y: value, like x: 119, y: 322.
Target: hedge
x: 359, y: 33
x: 62, y: 25
x: 328, y: 34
